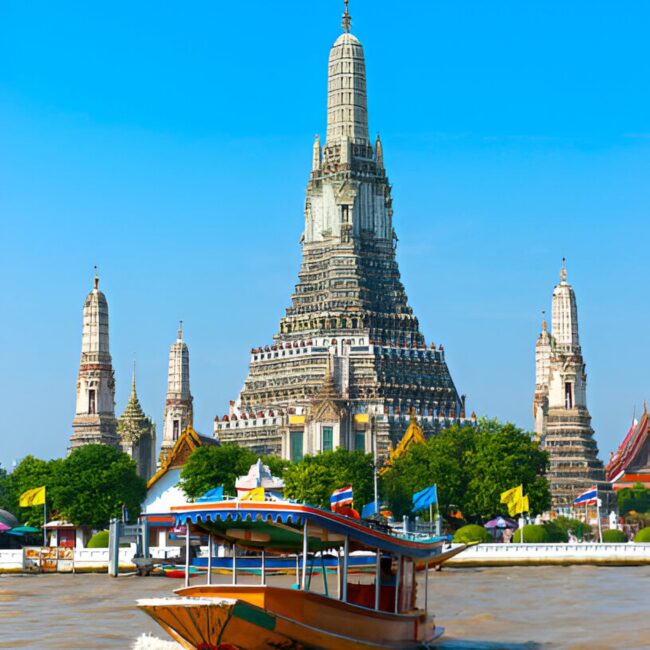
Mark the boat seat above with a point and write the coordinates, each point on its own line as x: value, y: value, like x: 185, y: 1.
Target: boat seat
x: 364, y: 595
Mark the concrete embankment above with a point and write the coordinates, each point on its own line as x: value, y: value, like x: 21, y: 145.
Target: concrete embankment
x: 486, y: 555
x: 37, y: 559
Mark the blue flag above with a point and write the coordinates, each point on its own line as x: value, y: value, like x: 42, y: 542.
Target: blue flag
x: 424, y: 498
x: 215, y: 494
x: 368, y: 510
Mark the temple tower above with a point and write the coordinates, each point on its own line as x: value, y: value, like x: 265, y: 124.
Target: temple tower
x: 349, y: 312
x: 562, y: 420
x: 178, y: 402
x: 137, y: 434
x: 94, y: 420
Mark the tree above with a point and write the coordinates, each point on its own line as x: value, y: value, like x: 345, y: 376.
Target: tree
x: 636, y: 498
x: 313, y: 479
x: 472, y: 466
x: 93, y: 484
x: 504, y: 456
x: 6, y: 494
x: 32, y: 473
x: 440, y: 460
x: 208, y: 467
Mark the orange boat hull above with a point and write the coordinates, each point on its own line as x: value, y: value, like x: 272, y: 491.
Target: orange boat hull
x: 268, y: 618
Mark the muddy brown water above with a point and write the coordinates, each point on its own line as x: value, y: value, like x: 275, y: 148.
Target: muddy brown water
x: 575, y: 608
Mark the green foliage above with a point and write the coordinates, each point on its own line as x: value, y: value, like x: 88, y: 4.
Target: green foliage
x: 314, y: 478
x: 278, y: 466
x: 636, y: 498
x: 558, y: 529
x: 555, y: 533
x: 208, y: 467
x: 88, y: 487
x: 643, y: 536
x: 472, y: 466
x: 472, y: 533
x: 98, y: 540
x: 93, y: 483
x: 614, y: 536
x: 31, y: 473
x: 7, y: 501
x: 533, y: 534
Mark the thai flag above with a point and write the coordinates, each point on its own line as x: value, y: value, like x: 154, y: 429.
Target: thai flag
x: 342, y: 497
x: 588, y: 497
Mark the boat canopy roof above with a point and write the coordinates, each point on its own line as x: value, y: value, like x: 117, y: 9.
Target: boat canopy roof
x: 278, y: 527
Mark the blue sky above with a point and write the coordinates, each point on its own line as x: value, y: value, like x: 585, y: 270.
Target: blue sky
x: 170, y: 145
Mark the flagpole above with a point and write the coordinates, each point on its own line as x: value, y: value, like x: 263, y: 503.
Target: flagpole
x: 600, y: 528
x: 44, y: 521
x: 373, y: 434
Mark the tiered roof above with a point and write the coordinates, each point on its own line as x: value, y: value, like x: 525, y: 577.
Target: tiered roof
x: 631, y: 462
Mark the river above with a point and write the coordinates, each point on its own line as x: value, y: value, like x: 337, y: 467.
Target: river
x: 519, y: 608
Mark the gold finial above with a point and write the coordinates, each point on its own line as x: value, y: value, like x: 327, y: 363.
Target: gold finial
x: 544, y: 325
x: 96, y: 278
x: 347, y: 21
x: 563, y: 271
x: 180, y: 329
x: 133, y: 379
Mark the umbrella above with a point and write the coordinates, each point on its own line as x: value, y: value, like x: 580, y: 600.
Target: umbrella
x: 8, y: 519
x: 4, y: 527
x: 24, y: 530
x: 500, y: 522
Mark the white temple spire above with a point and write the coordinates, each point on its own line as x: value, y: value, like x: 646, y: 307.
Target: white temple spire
x: 564, y: 319
x: 562, y: 420
x: 94, y: 420
x: 316, y: 153
x: 178, y: 401
x: 347, y: 113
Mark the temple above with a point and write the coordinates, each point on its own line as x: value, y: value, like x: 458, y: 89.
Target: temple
x: 94, y: 421
x: 631, y: 462
x: 178, y: 401
x: 349, y: 362
x: 562, y: 420
x: 137, y: 434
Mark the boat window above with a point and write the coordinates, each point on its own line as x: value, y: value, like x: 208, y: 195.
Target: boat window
x: 407, y: 589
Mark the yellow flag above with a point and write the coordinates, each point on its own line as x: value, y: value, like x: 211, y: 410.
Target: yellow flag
x: 524, y: 506
x: 518, y: 507
x: 35, y: 497
x: 513, y: 495
x: 256, y: 494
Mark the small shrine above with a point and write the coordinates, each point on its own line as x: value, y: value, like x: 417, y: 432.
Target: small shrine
x: 259, y: 475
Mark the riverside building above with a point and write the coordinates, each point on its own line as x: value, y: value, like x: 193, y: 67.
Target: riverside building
x: 349, y: 362
x: 562, y: 420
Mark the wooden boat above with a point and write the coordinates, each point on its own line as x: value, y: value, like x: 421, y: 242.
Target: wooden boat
x: 173, y: 571
x: 360, y: 616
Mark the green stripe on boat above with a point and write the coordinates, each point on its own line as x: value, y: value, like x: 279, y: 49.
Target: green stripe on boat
x: 254, y: 615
